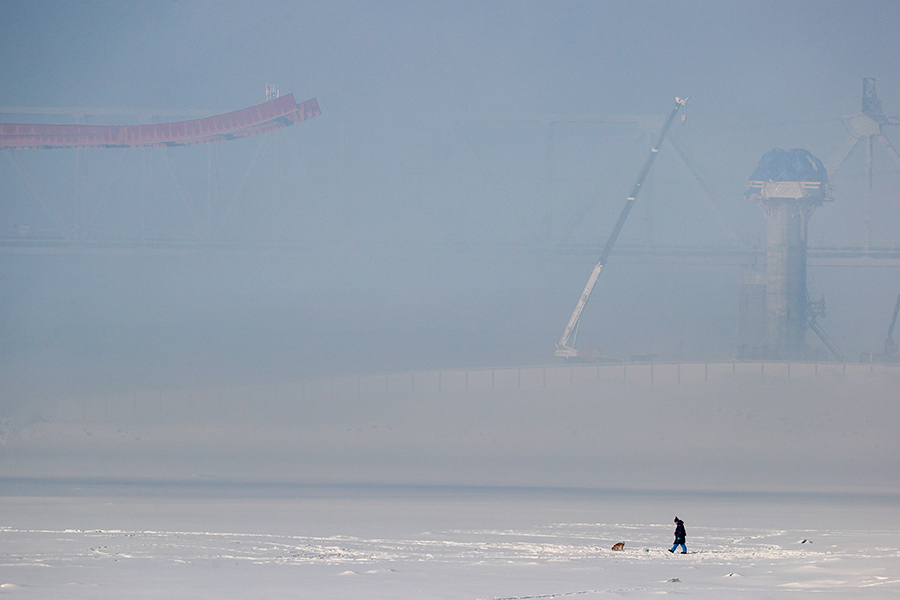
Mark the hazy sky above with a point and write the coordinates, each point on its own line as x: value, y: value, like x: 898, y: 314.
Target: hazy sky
x: 432, y: 158
x: 739, y: 60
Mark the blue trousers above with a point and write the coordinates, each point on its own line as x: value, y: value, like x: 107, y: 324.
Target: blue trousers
x: 683, y: 547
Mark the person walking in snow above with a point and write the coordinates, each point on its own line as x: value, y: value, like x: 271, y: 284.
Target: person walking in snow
x: 679, y: 536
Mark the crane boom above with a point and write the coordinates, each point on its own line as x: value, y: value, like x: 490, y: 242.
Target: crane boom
x: 890, y: 348
x: 565, y: 347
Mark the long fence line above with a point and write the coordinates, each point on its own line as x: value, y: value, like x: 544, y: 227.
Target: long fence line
x: 243, y: 401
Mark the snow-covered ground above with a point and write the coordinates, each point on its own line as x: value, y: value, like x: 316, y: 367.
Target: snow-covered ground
x: 423, y: 495
x: 143, y: 540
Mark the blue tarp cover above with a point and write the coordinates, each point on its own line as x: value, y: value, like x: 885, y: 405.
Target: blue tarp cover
x: 791, y: 165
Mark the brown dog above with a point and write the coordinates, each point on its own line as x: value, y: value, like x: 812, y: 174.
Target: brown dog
x: 619, y: 546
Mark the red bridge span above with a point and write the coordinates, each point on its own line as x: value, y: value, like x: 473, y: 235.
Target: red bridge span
x: 271, y: 115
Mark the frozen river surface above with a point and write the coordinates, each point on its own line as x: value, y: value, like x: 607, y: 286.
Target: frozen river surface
x: 90, y: 540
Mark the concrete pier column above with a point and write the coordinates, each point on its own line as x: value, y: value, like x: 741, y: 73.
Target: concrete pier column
x: 786, y: 295
x: 787, y: 206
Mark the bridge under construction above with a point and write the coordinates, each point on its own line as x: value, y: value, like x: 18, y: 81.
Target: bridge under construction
x: 272, y: 114
x: 72, y: 231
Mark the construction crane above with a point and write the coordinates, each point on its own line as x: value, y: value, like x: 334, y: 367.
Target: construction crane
x: 565, y: 347
x: 890, y: 347
x: 863, y: 129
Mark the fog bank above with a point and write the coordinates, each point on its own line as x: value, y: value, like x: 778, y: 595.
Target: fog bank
x: 718, y: 427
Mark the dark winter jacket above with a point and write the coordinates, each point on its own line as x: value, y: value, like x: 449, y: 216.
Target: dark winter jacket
x: 679, y: 532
